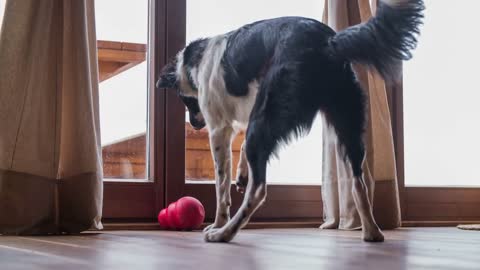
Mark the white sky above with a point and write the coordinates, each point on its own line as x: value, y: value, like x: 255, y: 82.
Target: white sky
x: 2, y: 9
x: 123, y: 98
x: 442, y: 97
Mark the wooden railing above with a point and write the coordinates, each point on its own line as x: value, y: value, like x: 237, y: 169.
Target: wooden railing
x: 116, y: 57
x: 127, y: 158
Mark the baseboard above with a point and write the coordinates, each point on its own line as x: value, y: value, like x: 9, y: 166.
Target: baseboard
x: 144, y: 226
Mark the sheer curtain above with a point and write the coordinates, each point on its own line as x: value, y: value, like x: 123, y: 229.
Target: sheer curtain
x: 50, y: 155
x: 379, y: 168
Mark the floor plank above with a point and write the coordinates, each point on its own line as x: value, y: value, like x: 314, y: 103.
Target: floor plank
x: 408, y: 248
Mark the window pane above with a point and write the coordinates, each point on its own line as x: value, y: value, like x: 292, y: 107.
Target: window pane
x: 300, y: 162
x: 2, y: 10
x: 122, y: 31
x: 441, y: 98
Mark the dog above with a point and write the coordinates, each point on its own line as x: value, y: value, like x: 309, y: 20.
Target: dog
x: 270, y: 78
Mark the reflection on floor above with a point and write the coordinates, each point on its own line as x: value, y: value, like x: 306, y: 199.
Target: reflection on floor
x: 413, y: 248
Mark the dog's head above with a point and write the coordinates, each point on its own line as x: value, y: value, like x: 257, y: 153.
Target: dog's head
x: 177, y: 75
x: 168, y: 76
x: 196, y: 117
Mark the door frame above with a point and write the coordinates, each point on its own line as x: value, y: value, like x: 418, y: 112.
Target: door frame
x: 140, y: 200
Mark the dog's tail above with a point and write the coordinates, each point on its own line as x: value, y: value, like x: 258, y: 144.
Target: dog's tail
x: 383, y: 40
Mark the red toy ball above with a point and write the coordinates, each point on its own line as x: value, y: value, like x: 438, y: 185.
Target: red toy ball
x: 185, y: 214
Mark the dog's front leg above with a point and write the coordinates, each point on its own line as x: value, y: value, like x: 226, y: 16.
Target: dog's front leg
x: 220, y: 145
x: 242, y: 170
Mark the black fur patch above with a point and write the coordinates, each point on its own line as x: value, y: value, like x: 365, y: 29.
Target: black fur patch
x: 254, y: 48
x: 168, y: 76
x: 192, y: 56
x: 246, y: 53
x: 384, y: 40
x: 194, y: 111
x: 242, y: 181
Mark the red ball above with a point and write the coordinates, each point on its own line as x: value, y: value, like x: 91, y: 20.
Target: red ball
x: 162, y: 219
x: 172, y: 216
x: 189, y: 213
x: 185, y: 214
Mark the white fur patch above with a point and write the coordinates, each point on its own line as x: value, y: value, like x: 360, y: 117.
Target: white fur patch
x: 219, y: 108
x: 244, y: 106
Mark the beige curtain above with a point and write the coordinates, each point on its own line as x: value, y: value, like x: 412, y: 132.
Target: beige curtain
x: 380, y: 170
x: 50, y: 156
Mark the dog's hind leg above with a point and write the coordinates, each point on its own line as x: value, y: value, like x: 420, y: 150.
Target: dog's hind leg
x: 348, y: 119
x: 220, y: 145
x: 370, y: 229
x: 242, y: 170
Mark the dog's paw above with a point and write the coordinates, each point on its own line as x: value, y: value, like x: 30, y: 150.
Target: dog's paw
x: 241, y: 183
x: 373, y: 236
x: 217, y: 235
x: 209, y: 227
x: 240, y: 189
x: 213, y: 226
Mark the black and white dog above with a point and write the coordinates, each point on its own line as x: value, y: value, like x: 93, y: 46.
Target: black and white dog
x: 271, y: 78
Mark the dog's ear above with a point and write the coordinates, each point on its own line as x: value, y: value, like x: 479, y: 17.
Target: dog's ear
x: 168, y: 76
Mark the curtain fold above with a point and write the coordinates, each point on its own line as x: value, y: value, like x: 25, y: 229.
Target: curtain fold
x: 50, y: 153
x: 379, y: 168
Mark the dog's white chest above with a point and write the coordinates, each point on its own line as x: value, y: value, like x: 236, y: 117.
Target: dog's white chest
x: 244, y: 105
x: 221, y: 108
x: 218, y: 106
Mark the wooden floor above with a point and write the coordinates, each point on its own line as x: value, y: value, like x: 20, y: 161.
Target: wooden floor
x: 412, y: 248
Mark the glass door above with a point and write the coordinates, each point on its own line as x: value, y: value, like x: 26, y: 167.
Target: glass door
x: 295, y: 177
x: 2, y: 10
x: 131, y: 113
x: 441, y: 96
x: 440, y: 116
x: 122, y: 34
